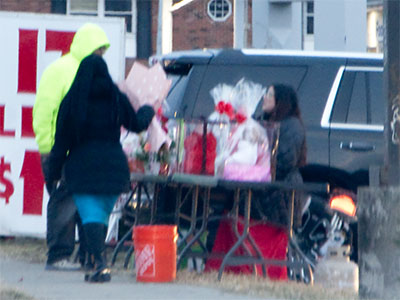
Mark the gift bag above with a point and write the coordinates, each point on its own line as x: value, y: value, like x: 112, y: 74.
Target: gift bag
x: 198, y: 148
x: 272, y: 241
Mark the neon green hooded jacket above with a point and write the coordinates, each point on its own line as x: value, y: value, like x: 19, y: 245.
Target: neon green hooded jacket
x: 57, y: 79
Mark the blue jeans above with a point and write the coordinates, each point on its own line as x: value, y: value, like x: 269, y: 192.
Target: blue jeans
x: 94, y: 208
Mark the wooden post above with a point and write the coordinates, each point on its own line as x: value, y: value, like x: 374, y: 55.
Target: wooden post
x: 379, y: 207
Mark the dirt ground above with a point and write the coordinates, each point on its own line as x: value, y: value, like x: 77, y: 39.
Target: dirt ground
x: 34, y: 250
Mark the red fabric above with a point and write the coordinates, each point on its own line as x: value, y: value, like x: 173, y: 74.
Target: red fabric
x: 271, y: 240
x: 194, y: 153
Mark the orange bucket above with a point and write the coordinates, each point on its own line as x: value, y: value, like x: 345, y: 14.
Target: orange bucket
x: 155, y: 252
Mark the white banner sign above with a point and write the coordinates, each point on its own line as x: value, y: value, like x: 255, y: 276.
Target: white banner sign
x: 30, y: 42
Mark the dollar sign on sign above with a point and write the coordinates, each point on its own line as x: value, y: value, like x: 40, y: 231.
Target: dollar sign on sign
x: 9, y: 188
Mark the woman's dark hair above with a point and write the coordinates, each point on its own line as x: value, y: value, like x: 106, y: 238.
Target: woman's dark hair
x: 286, y: 103
x: 91, y: 80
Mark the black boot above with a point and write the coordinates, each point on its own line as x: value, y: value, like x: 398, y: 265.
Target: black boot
x: 95, y: 238
x: 85, y: 258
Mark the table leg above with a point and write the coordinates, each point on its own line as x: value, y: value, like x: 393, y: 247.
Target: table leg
x: 154, y: 203
x: 291, y: 212
x: 120, y: 244
x: 193, y: 216
x: 242, y: 237
x: 203, y: 228
x: 235, y: 224
x: 138, y: 203
x: 259, y: 254
x: 128, y: 256
x: 178, y: 205
x: 127, y: 234
x: 193, y: 221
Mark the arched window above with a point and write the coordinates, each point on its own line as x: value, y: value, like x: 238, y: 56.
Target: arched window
x: 219, y: 10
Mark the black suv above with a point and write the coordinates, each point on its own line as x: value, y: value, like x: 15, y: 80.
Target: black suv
x: 341, y: 100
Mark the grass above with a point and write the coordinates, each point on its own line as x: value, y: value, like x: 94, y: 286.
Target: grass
x: 34, y: 250
x: 263, y: 288
x: 7, y: 293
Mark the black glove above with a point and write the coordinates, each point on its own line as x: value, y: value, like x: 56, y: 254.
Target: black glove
x: 144, y: 116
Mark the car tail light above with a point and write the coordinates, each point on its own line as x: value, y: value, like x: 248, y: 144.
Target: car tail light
x: 343, y: 203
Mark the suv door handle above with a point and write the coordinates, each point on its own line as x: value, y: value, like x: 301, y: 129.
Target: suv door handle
x: 357, y: 146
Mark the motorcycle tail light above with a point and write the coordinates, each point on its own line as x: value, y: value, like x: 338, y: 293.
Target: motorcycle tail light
x: 344, y: 204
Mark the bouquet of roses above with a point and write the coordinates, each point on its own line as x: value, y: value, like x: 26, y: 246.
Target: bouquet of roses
x: 246, y: 153
x: 152, y: 150
x: 148, y: 86
x: 202, y: 140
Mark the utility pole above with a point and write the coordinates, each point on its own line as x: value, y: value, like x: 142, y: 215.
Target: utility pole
x: 159, y: 27
x: 164, y: 27
x: 240, y: 10
x: 391, y: 20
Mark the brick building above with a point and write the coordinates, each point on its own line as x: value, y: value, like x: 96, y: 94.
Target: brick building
x: 192, y: 24
x: 198, y: 24
x: 194, y: 27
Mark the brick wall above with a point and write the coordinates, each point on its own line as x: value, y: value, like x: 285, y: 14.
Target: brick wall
x: 193, y: 28
x: 38, y: 6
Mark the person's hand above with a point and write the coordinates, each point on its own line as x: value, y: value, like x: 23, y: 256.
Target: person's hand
x: 145, y: 115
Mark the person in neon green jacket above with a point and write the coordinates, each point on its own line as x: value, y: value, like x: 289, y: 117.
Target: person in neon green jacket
x: 53, y: 86
x: 57, y: 79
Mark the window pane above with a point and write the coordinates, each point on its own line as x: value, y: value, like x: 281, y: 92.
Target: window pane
x: 310, y: 7
x: 87, y: 5
x: 265, y: 75
x: 378, y: 104
x: 342, y: 101
x: 357, y: 113
x: 118, y: 5
x: 128, y: 20
x: 310, y: 25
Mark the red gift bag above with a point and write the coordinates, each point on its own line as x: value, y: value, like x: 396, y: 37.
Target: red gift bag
x: 193, y: 161
x: 272, y: 241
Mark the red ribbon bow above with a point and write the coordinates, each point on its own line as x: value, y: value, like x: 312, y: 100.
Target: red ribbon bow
x: 240, y: 118
x: 225, y: 108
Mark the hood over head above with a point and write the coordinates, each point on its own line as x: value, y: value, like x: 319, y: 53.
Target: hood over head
x: 87, y: 39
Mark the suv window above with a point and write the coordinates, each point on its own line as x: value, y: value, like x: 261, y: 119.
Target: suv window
x: 176, y: 92
x: 231, y: 74
x: 358, y: 101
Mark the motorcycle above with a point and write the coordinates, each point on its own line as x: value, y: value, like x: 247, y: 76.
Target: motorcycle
x: 327, y: 223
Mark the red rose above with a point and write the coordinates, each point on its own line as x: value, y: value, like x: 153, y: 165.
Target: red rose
x: 229, y: 111
x: 220, y: 107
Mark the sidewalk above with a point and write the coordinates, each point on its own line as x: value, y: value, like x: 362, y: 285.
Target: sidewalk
x: 32, y: 279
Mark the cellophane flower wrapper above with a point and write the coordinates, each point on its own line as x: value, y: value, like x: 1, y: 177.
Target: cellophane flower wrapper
x: 220, y: 119
x: 247, y: 152
x: 132, y: 145
x: 148, y: 86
